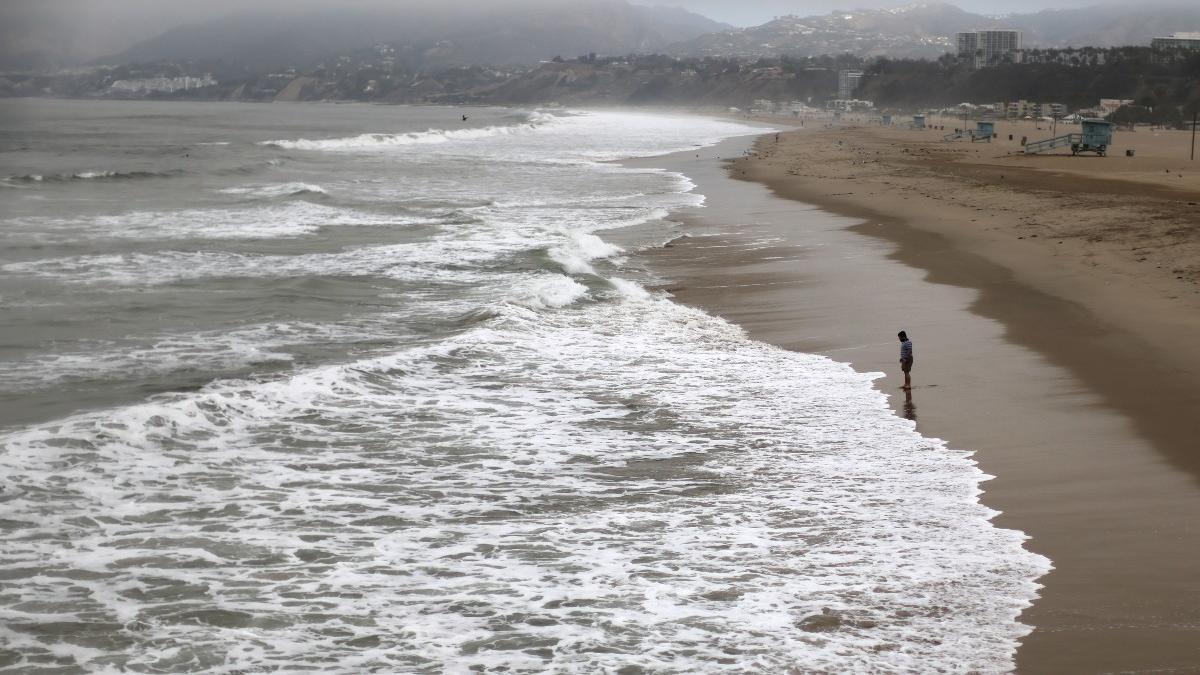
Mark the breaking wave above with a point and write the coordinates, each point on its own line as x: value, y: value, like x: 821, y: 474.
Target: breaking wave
x: 274, y: 191
x: 91, y: 175
x: 631, y: 483
x: 290, y: 219
x: 532, y: 122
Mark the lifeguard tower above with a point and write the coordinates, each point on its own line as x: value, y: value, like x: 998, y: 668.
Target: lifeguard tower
x: 918, y: 122
x: 1095, y: 136
x: 885, y: 120
x: 982, y: 132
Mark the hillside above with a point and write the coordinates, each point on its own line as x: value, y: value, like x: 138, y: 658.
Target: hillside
x: 426, y: 35
x: 927, y: 31
x: 1108, y: 26
x: 918, y: 31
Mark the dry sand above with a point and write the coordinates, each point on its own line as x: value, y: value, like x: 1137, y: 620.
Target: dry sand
x: 1072, y: 368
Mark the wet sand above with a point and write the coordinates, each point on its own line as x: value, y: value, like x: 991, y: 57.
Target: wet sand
x: 1090, y: 430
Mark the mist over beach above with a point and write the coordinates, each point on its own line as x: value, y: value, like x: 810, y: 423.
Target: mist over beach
x: 578, y: 336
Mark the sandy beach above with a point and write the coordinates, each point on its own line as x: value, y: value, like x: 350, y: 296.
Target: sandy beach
x: 1054, y: 304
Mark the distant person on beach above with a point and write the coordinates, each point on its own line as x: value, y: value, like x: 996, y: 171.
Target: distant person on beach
x: 906, y: 358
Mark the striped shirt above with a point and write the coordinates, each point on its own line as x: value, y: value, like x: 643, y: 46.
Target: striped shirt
x: 906, y: 350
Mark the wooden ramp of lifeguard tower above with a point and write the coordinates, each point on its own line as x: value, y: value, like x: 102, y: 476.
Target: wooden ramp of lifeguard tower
x: 1064, y: 141
x: 969, y: 134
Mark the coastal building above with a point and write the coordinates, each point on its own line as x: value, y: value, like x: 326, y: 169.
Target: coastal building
x: 763, y: 106
x: 985, y: 48
x: 797, y: 108
x: 1177, y: 41
x: 996, y: 46
x: 162, y: 84
x: 1023, y: 108
x: 848, y: 81
x: 849, y: 105
x: 1054, y: 110
x: 1109, y: 106
x: 966, y: 44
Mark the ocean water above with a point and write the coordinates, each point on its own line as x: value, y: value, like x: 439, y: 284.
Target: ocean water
x: 374, y: 389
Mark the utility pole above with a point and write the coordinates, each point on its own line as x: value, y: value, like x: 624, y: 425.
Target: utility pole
x: 1194, y: 135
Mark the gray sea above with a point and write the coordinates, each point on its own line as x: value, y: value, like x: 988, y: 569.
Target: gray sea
x: 351, y: 388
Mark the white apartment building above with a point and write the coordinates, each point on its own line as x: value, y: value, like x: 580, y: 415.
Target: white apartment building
x: 1109, y: 106
x: 1177, y: 41
x: 988, y: 47
x: 1023, y: 108
x: 162, y: 84
x: 847, y: 82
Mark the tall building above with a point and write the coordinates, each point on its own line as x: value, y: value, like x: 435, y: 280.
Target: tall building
x: 1177, y: 41
x: 847, y: 82
x: 988, y: 47
x: 967, y: 44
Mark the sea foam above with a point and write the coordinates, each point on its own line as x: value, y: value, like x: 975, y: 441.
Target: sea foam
x: 533, y: 122
x: 538, y: 465
x: 630, y: 483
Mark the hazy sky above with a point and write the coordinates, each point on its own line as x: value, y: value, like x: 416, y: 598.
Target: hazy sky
x: 92, y: 28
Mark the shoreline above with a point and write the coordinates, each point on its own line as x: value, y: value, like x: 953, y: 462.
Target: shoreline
x: 1131, y: 335
x: 1099, y: 479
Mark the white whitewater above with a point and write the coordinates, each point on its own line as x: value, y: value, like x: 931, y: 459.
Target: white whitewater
x: 570, y: 474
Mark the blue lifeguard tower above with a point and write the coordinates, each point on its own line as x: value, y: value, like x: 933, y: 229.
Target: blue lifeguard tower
x: 885, y: 120
x: 918, y: 122
x: 982, y: 132
x: 1095, y: 136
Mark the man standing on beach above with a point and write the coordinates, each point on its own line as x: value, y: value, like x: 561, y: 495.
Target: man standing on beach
x: 906, y: 358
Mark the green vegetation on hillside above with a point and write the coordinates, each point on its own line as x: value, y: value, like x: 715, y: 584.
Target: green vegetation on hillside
x: 1165, y: 85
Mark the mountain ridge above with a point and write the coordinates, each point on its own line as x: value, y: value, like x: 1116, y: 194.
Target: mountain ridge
x: 516, y: 32
x: 926, y: 30
x: 424, y: 37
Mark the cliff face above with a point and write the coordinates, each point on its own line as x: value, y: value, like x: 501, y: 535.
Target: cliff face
x: 295, y: 90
